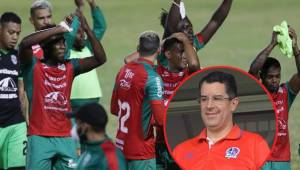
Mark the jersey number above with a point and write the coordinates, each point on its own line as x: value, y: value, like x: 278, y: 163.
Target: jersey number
x: 123, y: 106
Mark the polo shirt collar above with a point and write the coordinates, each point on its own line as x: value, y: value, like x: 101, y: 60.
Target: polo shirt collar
x: 234, y: 134
x: 141, y: 59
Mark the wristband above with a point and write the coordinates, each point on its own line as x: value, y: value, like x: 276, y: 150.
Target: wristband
x: 66, y: 26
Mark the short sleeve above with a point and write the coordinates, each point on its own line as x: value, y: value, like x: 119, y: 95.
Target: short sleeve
x: 154, y: 88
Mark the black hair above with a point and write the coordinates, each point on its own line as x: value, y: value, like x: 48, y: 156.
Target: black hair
x: 270, y: 62
x: 148, y: 43
x: 169, y: 44
x: 10, y: 17
x: 221, y: 77
x: 93, y: 114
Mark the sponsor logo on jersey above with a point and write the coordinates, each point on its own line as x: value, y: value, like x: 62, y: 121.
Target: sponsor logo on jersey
x: 10, y: 72
x: 125, y: 83
x: 232, y: 152
x: 159, y: 87
x: 56, y: 101
x: 8, y: 85
x: 14, y: 59
x: 189, y: 155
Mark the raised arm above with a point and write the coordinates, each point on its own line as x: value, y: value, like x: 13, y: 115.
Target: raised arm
x: 216, y: 21
x: 99, y: 23
x: 259, y: 61
x: 99, y: 57
x: 189, y: 52
x: 25, y: 50
x: 294, y: 82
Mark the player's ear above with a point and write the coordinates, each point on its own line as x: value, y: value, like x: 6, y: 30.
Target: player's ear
x: 167, y: 54
x: 234, y: 103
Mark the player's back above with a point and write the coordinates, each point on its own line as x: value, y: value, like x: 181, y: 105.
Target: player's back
x: 131, y: 102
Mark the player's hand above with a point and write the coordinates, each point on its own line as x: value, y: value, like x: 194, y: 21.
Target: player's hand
x: 274, y: 38
x: 79, y: 3
x: 180, y: 36
x: 83, y: 20
x: 91, y: 3
x: 293, y: 36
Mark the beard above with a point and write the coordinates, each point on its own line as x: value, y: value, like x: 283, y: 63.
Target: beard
x: 273, y: 89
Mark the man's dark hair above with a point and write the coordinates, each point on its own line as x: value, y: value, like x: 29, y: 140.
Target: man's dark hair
x: 10, y: 17
x: 270, y: 62
x: 93, y: 114
x: 221, y: 77
x: 148, y: 43
x: 169, y: 44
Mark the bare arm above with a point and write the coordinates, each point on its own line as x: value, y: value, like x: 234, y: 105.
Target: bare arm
x: 99, y: 57
x: 259, y: 61
x: 294, y: 82
x: 25, y: 51
x: 189, y: 52
x: 22, y: 99
x: 173, y: 17
x: 216, y: 21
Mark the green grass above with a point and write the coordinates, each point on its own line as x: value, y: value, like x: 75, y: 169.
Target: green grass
x: 246, y: 31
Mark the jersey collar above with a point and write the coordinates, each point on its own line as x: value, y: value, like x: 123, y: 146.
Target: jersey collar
x: 141, y: 59
x: 234, y: 134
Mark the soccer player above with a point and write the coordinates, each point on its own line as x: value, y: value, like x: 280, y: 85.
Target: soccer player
x: 136, y: 100
x: 81, y: 91
x: 12, y: 123
x: 173, y: 22
x: 183, y: 61
x: 98, y: 150
x: 41, y: 17
x: 222, y: 144
x: 48, y: 84
x: 268, y: 70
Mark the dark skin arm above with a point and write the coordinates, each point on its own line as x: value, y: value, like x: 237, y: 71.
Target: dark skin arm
x: 25, y: 51
x: 210, y: 29
x: 189, y: 52
x: 259, y: 61
x: 99, y: 57
x: 294, y: 82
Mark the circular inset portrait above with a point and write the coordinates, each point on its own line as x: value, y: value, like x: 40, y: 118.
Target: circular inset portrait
x: 220, y: 118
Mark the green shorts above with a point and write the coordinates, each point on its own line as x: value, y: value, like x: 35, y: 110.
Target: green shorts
x: 147, y: 164
x: 47, y: 152
x: 272, y: 165
x: 13, y: 143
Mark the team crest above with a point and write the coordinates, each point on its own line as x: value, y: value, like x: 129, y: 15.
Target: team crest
x: 232, y: 152
x: 14, y: 59
x: 62, y: 67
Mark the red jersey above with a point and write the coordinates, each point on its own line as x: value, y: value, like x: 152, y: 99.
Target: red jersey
x: 137, y: 84
x: 37, y: 51
x: 170, y: 80
x: 239, y: 150
x: 283, y: 100
x: 48, y: 89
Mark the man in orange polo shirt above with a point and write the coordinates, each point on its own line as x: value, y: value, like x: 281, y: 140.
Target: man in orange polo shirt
x: 222, y: 144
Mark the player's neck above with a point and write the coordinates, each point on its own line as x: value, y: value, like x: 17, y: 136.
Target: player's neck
x: 216, y: 134
x: 95, y: 136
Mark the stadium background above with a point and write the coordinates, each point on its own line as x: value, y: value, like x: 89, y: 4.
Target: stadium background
x: 244, y: 33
